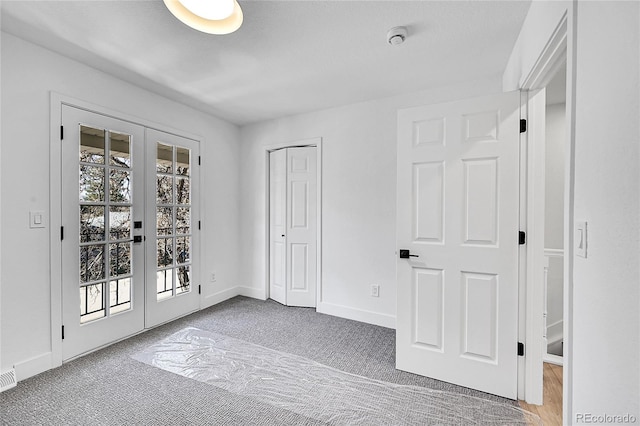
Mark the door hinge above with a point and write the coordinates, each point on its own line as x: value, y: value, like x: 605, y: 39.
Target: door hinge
x: 199, y: 225
x: 520, y: 349
x: 63, y: 332
x: 61, y: 233
x: 522, y: 237
x: 523, y: 125
x: 199, y: 289
x: 199, y: 160
x: 61, y: 133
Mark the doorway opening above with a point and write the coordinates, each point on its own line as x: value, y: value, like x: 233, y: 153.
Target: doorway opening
x: 548, y: 103
x: 554, y: 170
x: 548, y: 180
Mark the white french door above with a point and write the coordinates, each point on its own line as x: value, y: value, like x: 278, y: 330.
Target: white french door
x: 292, y: 226
x: 129, y: 250
x: 102, y: 199
x: 172, y: 217
x: 457, y: 240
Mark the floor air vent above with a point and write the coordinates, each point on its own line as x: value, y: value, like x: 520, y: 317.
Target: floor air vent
x: 8, y: 380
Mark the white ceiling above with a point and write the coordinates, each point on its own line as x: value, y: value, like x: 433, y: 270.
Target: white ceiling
x: 288, y: 57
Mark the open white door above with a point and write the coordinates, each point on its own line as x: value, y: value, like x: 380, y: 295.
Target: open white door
x: 458, y: 215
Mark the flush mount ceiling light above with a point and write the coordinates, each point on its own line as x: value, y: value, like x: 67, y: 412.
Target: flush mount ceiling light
x: 208, y: 16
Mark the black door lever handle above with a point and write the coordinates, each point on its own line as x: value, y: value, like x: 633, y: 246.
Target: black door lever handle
x: 405, y: 254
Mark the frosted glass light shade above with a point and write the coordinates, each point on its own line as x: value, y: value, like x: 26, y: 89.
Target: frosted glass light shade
x: 188, y: 11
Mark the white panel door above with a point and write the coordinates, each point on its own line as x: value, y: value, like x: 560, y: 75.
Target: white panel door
x: 292, y: 226
x: 102, y: 198
x: 278, y: 225
x: 457, y: 216
x: 301, y: 226
x: 172, y: 224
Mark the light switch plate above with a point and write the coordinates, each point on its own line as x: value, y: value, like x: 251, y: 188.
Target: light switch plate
x: 581, y: 239
x: 36, y: 219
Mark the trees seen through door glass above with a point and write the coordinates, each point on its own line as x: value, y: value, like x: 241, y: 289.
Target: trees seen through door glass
x: 105, y: 223
x: 173, y: 220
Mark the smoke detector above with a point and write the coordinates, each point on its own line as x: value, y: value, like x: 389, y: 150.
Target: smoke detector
x: 396, y: 35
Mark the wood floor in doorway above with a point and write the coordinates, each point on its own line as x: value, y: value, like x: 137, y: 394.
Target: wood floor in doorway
x: 550, y: 411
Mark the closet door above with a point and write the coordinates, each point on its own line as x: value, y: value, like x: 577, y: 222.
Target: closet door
x: 301, y: 226
x: 292, y: 233
x: 278, y: 226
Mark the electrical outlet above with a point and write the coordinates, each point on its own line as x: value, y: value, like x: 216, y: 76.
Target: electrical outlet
x: 375, y: 290
x: 213, y: 277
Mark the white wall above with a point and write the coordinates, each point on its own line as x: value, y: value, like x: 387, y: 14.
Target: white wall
x: 1, y: 364
x: 606, y: 291
x: 542, y: 20
x: 29, y: 73
x: 358, y: 198
x: 555, y: 141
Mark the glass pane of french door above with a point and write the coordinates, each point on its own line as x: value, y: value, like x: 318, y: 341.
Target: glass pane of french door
x: 102, y: 266
x: 173, y: 220
x: 171, y: 164
x: 105, y: 223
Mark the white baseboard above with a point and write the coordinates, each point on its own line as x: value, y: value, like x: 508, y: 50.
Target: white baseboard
x: 221, y: 296
x: 32, y: 366
x: 253, y: 292
x: 368, y: 317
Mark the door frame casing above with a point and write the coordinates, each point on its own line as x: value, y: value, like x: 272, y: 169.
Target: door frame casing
x: 311, y: 142
x: 56, y: 102
x: 532, y: 252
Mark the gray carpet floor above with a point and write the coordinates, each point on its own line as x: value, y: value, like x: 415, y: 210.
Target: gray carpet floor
x: 108, y: 387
